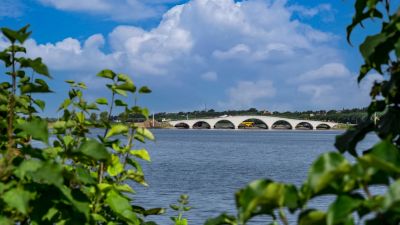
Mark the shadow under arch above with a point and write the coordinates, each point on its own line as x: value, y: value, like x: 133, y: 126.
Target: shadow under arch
x: 201, y: 125
x: 182, y: 126
x: 304, y: 126
x: 281, y: 125
x: 323, y: 126
x: 224, y: 124
x: 253, y: 124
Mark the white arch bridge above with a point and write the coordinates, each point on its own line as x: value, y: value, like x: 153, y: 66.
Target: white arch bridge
x: 265, y: 122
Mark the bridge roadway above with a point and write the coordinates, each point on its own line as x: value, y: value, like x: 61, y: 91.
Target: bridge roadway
x: 269, y: 121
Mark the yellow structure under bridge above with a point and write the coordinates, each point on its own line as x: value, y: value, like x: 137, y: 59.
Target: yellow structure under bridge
x: 248, y: 124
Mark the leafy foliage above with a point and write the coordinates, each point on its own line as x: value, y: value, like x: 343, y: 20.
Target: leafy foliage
x: 182, y: 207
x: 331, y: 173
x: 71, y: 178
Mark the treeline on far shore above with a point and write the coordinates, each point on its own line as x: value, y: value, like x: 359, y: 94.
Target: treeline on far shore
x: 344, y: 116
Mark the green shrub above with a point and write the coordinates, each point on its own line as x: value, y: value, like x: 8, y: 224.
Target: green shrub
x: 75, y: 178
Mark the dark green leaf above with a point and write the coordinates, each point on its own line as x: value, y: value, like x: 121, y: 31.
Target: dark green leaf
x: 144, y: 90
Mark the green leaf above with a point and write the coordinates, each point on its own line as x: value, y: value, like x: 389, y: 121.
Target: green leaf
x: 65, y: 104
x: 259, y: 197
x: 49, y: 173
x: 222, y: 219
x: 124, y: 188
x: 126, y: 87
x: 83, y: 175
x: 119, y: 102
x: 6, y: 221
x: 312, y: 217
x: 11, y: 35
x: 102, y: 101
x: 154, y: 211
x: 349, y: 140
x: 144, y: 90
x: 18, y: 198
x: 94, y: 149
x: 37, y: 128
x: 327, y: 169
x: 392, y: 197
x: 40, y: 86
x: 174, y: 207
x: 124, y: 78
x: 41, y: 104
x: 384, y: 156
x: 145, y: 133
x: 107, y: 74
x: 117, y: 129
x: 99, y: 218
x: 115, y: 166
x: 341, y: 210
x: 121, y: 206
x: 39, y: 67
x: 142, y: 153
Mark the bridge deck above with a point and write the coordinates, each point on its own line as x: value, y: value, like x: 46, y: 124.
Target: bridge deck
x: 269, y: 121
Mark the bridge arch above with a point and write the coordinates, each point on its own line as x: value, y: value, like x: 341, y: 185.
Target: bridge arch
x: 201, y: 125
x: 182, y: 125
x: 323, y: 126
x: 304, y: 126
x: 224, y: 124
x: 253, y: 123
x: 282, y: 125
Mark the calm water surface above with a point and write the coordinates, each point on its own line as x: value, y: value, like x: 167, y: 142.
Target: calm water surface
x: 210, y: 165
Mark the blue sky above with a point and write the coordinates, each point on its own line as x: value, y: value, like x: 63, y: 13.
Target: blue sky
x: 275, y: 55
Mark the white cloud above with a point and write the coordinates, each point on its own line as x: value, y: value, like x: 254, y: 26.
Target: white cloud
x: 246, y: 93
x: 120, y: 10
x: 326, y: 71
x: 248, y: 45
x: 210, y: 76
x: 322, y: 9
x: 70, y: 55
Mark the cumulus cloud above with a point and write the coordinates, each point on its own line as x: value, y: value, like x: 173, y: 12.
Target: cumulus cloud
x: 70, y: 55
x: 326, y: 71
x: 121, y: 10
x: 253, y: 51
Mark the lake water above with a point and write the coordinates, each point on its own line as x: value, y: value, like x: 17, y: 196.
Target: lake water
x: 210, y: 165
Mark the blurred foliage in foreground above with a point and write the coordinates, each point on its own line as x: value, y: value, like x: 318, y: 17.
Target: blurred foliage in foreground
x: 332, y: 174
